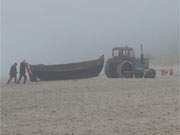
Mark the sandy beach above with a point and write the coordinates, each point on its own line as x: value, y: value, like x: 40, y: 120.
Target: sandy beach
x: 70, y: 39
x: 97, y: 106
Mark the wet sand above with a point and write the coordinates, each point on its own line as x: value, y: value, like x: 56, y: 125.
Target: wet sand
x: 97, y: 106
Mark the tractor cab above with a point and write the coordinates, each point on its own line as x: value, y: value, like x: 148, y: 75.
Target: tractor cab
x: 123, y: 51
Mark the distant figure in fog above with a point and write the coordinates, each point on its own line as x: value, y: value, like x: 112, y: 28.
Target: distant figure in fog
x: 13, y: 73
x: 22, y: 71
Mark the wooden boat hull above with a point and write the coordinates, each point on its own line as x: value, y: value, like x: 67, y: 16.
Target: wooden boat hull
x: 80, y: 70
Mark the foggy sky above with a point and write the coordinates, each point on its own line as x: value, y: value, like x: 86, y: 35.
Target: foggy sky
x: 62, y: 31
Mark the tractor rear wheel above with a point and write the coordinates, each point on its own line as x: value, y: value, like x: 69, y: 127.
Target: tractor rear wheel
x: 125, y: 69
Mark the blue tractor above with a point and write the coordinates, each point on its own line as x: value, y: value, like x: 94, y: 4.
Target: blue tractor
x: 124, y: 64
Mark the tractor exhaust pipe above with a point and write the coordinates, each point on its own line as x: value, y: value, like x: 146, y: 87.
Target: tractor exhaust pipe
x: 142, y: 54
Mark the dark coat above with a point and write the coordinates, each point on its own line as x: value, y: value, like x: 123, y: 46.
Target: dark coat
x: 13, y: 70
x: 23, y: 66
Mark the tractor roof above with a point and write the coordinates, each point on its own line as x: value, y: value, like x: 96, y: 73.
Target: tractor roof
x: 123, y: 48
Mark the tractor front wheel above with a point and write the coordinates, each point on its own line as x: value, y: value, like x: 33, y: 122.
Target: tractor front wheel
x: 150, y: 73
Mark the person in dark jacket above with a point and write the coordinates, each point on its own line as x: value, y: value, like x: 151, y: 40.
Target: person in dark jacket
x: 22, y: 71
x: 13, y: 73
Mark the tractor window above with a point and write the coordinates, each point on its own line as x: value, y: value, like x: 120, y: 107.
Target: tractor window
x: 115, y: 53
x: 125, y: 52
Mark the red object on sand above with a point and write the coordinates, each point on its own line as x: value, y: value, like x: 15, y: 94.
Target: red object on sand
x: 164, y: 72
x: 171, y: 72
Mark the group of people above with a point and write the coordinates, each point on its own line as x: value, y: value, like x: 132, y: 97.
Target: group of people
x: 22, y: 72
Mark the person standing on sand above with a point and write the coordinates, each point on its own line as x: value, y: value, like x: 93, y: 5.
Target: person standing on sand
x: 13, y: 73
x: 22, y: 71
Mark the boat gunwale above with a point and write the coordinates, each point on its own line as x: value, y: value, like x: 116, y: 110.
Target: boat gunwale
x: 82, y: 65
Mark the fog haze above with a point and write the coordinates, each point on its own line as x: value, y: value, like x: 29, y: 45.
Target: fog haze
x: 62, y: 31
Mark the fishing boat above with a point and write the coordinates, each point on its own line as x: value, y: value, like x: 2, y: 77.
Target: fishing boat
x: 86, y: 69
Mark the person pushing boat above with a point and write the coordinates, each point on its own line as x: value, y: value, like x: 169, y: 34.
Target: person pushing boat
x: 13, y: 73
x: 22, y: 71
